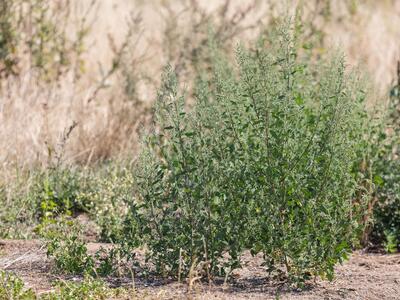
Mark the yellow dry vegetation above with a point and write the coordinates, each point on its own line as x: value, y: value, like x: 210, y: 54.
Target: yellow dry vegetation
x: 98, y: 117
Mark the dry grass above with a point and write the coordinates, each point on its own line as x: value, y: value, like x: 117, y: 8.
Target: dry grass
x: 35, y: 116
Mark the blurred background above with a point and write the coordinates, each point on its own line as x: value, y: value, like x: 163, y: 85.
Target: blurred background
x: 78, y: 78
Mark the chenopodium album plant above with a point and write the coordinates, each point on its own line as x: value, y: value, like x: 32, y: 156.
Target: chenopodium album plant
x: 263, y: 160
x: 386, y: 224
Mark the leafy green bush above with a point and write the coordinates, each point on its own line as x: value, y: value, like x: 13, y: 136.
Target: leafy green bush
x: 106, y: 195
x: 59, y: 192
x: 66, y: 246
x: 89, y: 288
x: 69, y: 251
x: 34, y: 199
x: 12, y: 287
x: 264, y: 160
x: 386, y: 214
x: 38, y: 197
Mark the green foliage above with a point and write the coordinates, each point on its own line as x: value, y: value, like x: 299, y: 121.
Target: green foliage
x: 68, y: 250
x: 66, y: 246
x: 59, y: 193
x: 106, y: 196
x: 386, y: 215
x: 264, y: 160
x: 88, y: 288
x: 38, y: 197
x: 12, y: 287
x: 114, y: 261
x: 391, y: 243
x: 275, y: 155
x: 17, y: 216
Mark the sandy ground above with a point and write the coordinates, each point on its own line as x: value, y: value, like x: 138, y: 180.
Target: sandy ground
x: 364, y: 276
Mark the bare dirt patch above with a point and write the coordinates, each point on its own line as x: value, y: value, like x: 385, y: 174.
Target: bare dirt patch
x: 364, y: 276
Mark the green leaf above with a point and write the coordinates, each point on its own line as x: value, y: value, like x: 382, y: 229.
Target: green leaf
x: 299, y: 100
x: 378, y: 180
